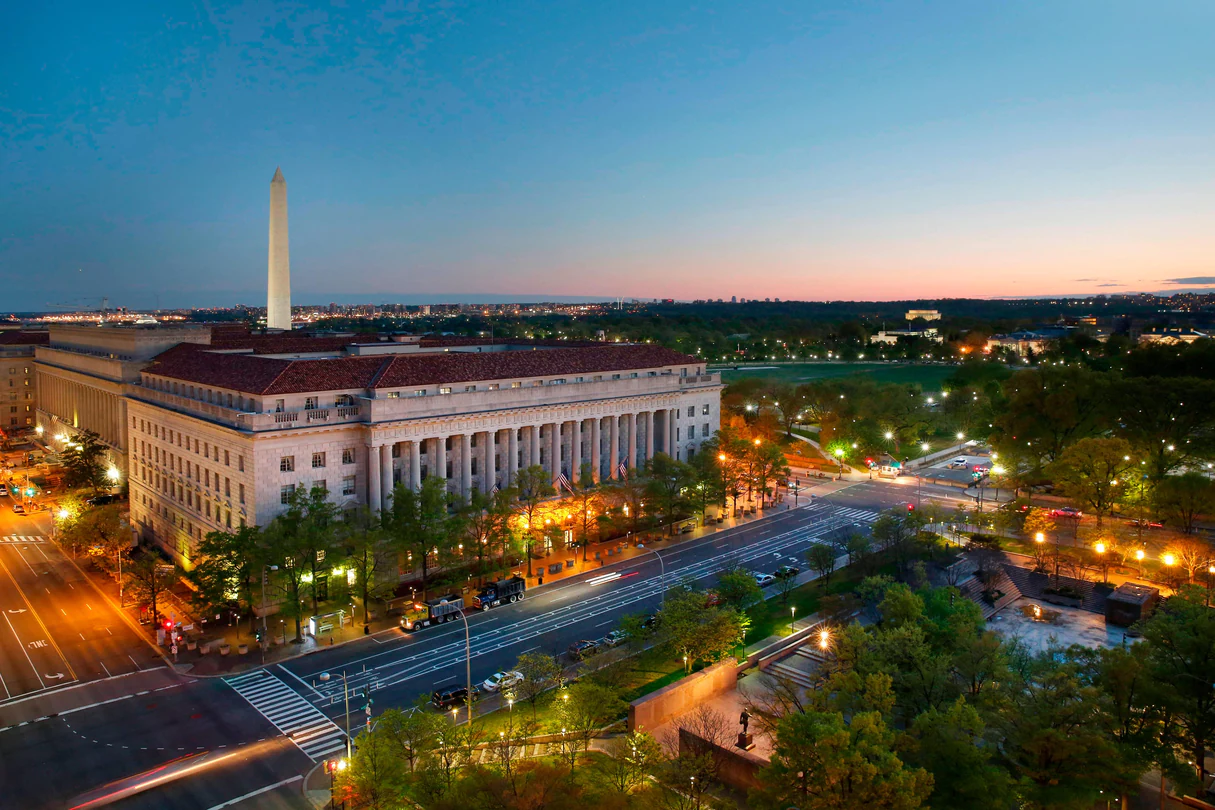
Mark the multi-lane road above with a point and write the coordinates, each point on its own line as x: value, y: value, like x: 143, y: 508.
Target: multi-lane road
x: 169, y: 741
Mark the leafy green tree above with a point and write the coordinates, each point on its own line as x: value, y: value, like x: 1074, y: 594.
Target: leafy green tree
x: 292, y: 540
x: 737, y: 587
x: 376, y: 776
x: 587, y: 709
x: 1184, y: 497
x: 1093, y: 472
x: 229, y: 569
x: 821, y: 558
x: 84, y: 461
x: 822, y: 761
x: 631, y: 759
x: 419, y: 525
x: 532, y: 486
x: 368, y: 556
x: 148, y: 578
x: 701, y: 632
x: 897, y: 531
x: 666, y: 481
x: 540, y: 673
x: 1050, y: 408
x: 1181, y: 653
x: 412, y: 732
x: 950, y: 744
x: 1165, y: 431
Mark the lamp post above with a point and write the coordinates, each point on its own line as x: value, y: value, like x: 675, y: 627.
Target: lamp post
x: 265, y: 636
x: 1139, y: 555
x: 792, y: 617
x: 839, y: 455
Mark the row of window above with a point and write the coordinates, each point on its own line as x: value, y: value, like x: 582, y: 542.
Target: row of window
x: 178, y: 439
x: 348, y: 488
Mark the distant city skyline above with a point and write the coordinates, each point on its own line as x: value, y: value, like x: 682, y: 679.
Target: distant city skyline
x: 502, y: 152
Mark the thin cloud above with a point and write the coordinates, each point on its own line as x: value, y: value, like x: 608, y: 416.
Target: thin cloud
x: 1111, y: 285
x: 1201, y: 280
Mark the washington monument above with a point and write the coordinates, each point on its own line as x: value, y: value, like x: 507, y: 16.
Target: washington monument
x: 278, y: 288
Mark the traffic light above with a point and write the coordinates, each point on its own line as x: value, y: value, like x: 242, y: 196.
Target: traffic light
x: 168, y: 625
x: 911, y: 507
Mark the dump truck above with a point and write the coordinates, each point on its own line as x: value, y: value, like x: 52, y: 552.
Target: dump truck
x: 504, y: 590
x: 434, y: 611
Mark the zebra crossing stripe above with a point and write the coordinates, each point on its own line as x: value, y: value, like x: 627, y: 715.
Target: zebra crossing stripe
x: 299, y: 721
x: 22, y: 538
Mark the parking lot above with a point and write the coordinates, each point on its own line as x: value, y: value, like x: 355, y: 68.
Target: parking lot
x: 954, y: 471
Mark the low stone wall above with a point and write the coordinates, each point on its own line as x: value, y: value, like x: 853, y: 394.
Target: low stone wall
x: 686, y: 694
x: 735, y: 767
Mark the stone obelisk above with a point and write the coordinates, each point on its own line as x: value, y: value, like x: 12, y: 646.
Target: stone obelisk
x: 278, y: 288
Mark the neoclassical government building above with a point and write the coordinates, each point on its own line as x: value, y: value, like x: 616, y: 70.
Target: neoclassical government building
x: 220, y: 433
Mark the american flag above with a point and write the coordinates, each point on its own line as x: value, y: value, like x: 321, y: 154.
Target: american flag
x: 623, y: 470
x: 563, y: 482
x: 495, y: 489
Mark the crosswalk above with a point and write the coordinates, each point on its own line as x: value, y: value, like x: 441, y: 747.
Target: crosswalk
x: 301, y: 722
x: 864, y: 515
x: 22, y: 538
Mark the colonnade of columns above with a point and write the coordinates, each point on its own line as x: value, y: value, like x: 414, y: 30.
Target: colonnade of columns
x: 490, y: 459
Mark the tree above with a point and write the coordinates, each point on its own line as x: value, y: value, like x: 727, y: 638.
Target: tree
x: 84, y: 459
x: 540, y: 673
x: 701, y: 632
x: 1093, y: 472
x: 821, y: 761
x: 412, y: 732
x: 586, y: 500
x: 291, y: 541
x: 666, y: 480
x: 587, y: 709
x: 532, y: 486
x: 1049, y: 408
x: 376, y: 776
x: 1181, y: 653
x: 631, y: 758
x: 897, y: 531
x: 419, y: 524
x: 1184, y: 497
x: 1192, y: 554
x: 1055, y: 737
x: 822, y: 559
x: 768, y: 466
x: 950, y: 745
x: 368, y: 557
x: 148, y: 577
x: 1155, y: 418
x: 787, y: 401
x: 229, y: 568
x: 101, y: 530
x: 737, y: 587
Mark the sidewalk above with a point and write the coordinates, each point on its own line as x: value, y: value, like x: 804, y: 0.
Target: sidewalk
x: 208, y: 660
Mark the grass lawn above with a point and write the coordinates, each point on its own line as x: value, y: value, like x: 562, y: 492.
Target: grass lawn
x: 772, y: 616
x: 929, y: 376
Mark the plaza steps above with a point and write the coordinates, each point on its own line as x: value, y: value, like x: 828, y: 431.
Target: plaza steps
x: 1032, y: 583
x: 973, y: 589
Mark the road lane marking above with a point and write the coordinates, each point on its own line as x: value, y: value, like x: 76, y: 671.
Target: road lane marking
x: 257, y: 792
x: 301, y: 680
x: 107, y: 669
x: 133, y: 661
x: 303, y: 724
x: 26, y: 652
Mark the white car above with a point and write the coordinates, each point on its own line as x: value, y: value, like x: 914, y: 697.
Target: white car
x: 763, y: 580
x: 501, y: 680
x: 959, y: 463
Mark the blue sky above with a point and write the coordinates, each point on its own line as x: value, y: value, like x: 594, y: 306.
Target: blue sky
x: 793, y: 150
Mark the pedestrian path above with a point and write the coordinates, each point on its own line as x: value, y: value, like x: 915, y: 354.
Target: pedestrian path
x: 863, y: 515
x: 301, y: 722
x: 22, y: 538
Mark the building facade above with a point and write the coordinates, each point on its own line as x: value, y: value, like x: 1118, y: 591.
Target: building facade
x: 18, y: 382
x: 219, y: 436
x: 85, y: 371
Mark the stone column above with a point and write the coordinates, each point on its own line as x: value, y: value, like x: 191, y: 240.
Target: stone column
x: 512, y: 463
x: 438, y: 459
x: 649, y: 435
x: 614, y: 446
x: 385, y: 475
x: 415, y: 464
x: 554, y: 450
x: 673, y: 451
x: 535, y: 446
x: 575, y: 450
x: 630, y: 427
x: 465, y: 465
x: 596, y: 461
x: 373, y: 478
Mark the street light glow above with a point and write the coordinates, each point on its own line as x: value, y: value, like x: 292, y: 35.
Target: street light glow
x: 113, y: 474
x: 1169, y: 559
x: 1039, y: 538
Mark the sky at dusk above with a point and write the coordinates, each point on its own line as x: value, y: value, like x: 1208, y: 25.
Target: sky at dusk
x: 814, y: 150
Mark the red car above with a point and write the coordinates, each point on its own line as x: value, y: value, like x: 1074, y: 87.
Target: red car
x: 1145, y: 524
x: 1069, y: 512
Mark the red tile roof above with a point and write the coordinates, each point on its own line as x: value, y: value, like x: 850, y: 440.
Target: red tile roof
x: 254, y: 374
x: 14, y: 337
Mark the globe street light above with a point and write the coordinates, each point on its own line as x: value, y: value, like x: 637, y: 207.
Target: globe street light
x: 839, y: 454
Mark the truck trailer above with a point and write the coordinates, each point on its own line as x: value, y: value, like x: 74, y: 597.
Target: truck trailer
x: 504, y: 590
x: 434, y: 611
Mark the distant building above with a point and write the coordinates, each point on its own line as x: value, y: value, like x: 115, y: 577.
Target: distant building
x: 1024, y: 343
x: 1172, y: 336
x: 18, y: 382
x: 890, y: 337
x: 923, y: 314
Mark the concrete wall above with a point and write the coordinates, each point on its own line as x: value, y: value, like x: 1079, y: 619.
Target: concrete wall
x: 735, y: 767
x: 656, y: 708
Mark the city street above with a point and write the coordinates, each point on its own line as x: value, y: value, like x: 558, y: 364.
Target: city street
x: 199, y: 743
x: 57, y: 629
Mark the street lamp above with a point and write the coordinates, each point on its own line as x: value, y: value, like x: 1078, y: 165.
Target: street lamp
x: 334, y: 766
x: 1139, y: 555
x: 113, y: 474
x: 792, y: 617
x: 824, y: 639
x: 467, y: 669
x: 839, y: 455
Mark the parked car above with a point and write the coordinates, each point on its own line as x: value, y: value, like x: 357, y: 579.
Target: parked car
x: 1069, y: 512
x: 763, y: 580
x: 19, y: 508
x: 445, y: 697
x: 786, y: 572
x: 615, y: 638
x: 101, y: 500
x: 501, y: 680
x: 650, y: 622
x: 982, y: 469
x: 1145, y: 524
x: 959, y: 463
x: 712, y: 599
x: 582, y: 649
